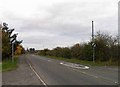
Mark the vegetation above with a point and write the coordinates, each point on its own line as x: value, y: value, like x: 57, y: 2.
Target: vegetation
x: 31, y: 50
x: 106, y: 51
x: 85, y: 62
x: 10, y: 45
x: 8, y: 65
x: 9, y: 41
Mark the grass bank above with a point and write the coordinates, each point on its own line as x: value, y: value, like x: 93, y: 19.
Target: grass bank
x: 90, y: 63
x: 8, y: 65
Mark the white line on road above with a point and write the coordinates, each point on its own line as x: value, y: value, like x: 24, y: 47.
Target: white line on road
x: 75, y: 66
x: 85, y: 67
x: 116, y: 82
x: 49, y: 60
x: 37, y: 75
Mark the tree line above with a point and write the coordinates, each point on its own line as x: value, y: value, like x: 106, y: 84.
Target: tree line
x: 9, y: 42
x: 105, y: 45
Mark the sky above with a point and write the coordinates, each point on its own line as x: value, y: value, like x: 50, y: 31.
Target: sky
x: 51, y: 23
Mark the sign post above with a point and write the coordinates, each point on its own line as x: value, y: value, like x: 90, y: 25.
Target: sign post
x: 12, y: 52
x: 13, y: 41
x: 93, y: 41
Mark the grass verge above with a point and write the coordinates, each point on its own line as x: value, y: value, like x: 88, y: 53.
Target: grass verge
x: 84, y: 62
x: 8, y: 65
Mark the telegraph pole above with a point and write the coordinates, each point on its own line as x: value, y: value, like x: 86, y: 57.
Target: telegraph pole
x: 93, y: 41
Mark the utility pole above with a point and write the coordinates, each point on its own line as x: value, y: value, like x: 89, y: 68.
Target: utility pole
x: 93, y: 41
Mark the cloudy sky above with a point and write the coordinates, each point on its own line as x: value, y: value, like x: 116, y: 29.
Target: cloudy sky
x: 50, y: 23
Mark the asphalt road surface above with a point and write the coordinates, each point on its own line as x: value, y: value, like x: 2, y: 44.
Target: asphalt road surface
x: 53, y: 72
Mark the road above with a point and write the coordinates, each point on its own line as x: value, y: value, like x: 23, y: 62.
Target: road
x: 52, y: 72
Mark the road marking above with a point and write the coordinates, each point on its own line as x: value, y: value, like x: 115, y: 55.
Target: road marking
x: 37, y: 74
x: 86, y: 67
x: 49, y: 60
x: 73, y: 66
x: 116, y: 82
x: 61, y: 63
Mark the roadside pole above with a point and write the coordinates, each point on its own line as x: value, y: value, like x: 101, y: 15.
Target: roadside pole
x: 12, y: 43
x: 12, y: 52
x: 93, y: 41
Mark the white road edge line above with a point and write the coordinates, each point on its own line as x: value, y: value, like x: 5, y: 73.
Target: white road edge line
x: 37, y: 75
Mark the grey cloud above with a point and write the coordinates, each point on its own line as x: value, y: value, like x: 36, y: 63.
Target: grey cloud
x: 62, y: 24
